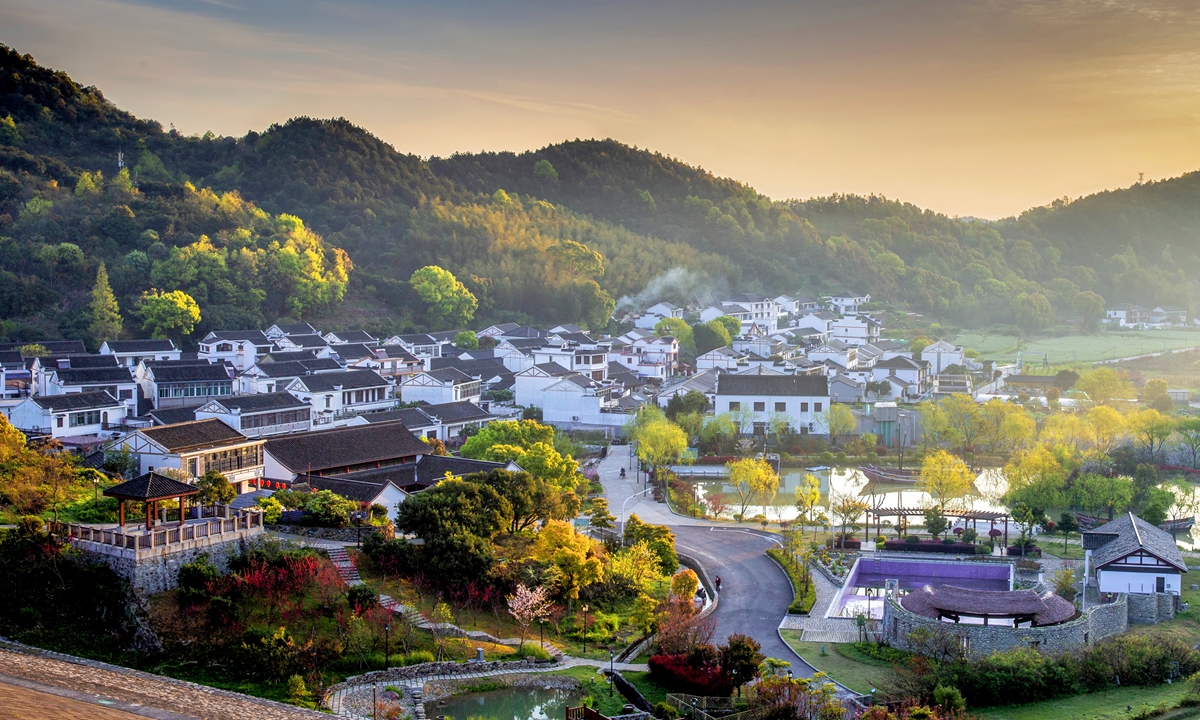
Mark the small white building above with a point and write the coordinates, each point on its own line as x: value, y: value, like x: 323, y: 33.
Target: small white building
x: 848, y: 303
x: 440, y: 386
x: 262, y: 415
x: 241, y: 349
x: 116, y: 381
x: 590, y: 359
x: 346, y: 337
x: 1130, y: 555
x: 576, y: 401
x: 270, y: 376
x: 59, y: 416
x: 531, y: 384
x: 725, y: 358
x: 858, y: 329
x: 655, y: 314
x: 284, y: 329
x: 342, y: 395
x: 421, y: 345
x: 655, y: 356
x: 843, y: 354
x: 910, y: 378
x: 941, y: 355
x: 798, y: 399
x: 752, y: 308
x: 179, y: 383
x: 131, y: 352
x: 195, y: 448
x: 1127, y: 314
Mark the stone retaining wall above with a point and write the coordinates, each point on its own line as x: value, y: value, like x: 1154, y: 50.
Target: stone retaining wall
x: 436, y: 669
x: 1151, y: 608
x: 347, y: 534
x: 159, y: 573
x: 1099, y: 622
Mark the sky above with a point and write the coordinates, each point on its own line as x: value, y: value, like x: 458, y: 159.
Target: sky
x: 970, y: 107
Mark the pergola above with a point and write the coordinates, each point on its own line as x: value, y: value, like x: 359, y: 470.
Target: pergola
x: 150, y: 489
x: 974, y: 516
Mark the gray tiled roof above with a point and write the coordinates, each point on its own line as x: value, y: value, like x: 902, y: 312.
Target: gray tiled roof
x: 782, y: 385
x: 75, y: 401
x: 1129, y: 534
x: 195, y: 434
x: 347, y: 380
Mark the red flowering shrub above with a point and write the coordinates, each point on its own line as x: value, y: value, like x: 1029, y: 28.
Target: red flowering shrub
x: 676, y: 674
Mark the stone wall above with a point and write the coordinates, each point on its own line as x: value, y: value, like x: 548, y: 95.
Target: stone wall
x: 159, y: 572
x: 347, y: 534
x: 1151, y: 608
x: 1100, y: 621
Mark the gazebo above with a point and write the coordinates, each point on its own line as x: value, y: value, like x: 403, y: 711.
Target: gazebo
x: 150, y: 489
x: 950, y: 602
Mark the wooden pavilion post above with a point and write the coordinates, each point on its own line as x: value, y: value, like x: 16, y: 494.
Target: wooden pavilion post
x: 181, y: 520
x: 1005, y: 534
x: 121, y: 514
x: 149, y: 515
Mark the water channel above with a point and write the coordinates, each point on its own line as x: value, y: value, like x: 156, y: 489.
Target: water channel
x: 506, y: 704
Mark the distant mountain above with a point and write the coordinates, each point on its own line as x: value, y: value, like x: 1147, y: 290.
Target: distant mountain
x: 503, y: 223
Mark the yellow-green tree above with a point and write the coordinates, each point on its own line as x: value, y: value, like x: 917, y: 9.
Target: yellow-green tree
x: 1037, y: 478
x: 1104, y: 386
x: 168, y: 314
x: 1152, y: 430
x: 661, y: 443
x: 1106, y: 427
x: 808, y: 495
x: 448, y: 303
x: 946, y: 478
x: 572, y: 554
x: 838, y: 422
x: 751, y: 478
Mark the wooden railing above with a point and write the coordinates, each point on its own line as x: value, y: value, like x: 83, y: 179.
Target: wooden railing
x: 160, y: 537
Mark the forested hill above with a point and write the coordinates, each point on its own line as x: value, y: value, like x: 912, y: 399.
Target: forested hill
x: 268, y: 216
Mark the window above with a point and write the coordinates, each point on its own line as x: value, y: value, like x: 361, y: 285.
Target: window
x: 125, y: 395
x: 192, y: 467
x: 816, y: 407
x: 780, y: 407
x: 734, y: 406
x: 60, y: 420
x: 1160, y: 584
x: 803, y: 407
x: 327, y: 399
x: 760, y: 406
x: 91, y: 417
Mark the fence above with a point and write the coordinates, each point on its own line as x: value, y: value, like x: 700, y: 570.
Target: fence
x: 143, y: 540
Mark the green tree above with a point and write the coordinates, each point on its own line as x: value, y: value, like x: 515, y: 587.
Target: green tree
x: 709, y: 336
x: 105, y: 314
x: 1090, y: 307
x: 1031, y: 311
x: 466, y: 340
x: 448, y: 302
x: 838, y: 422
x: 600, y: 516
x: 690, y: 402
x: 659, y: 537
x: 215, y: 488
x: 573, y: 555
x: 1188, y: 430
x: 660, y: 443
x: 935, y: 522
x: 543, y: 170
x: 1154, y: 394
x: 521, y: 433
x: 680, y: 330
x: 531, y: 499
x: 168, y: 314
x: 1104, y: 386
x: 1152, y: 430
x: 741, y: 657
x: 732, y: 325
x: 1097, y: 493
x: 946, y: 478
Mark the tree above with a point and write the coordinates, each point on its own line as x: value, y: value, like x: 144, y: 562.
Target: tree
x: 660, y: 539
x: 543, y: 170
x: 1105, y: 428
x: 741, y: 657
x: 935, y: 522
x: 1031, y: 311
x: 1066, y: 525
x: 1103, y: 386
x: 1090, y: 307
x: 1096, y: 493
x: 692, y: 401
x: 1026, y: 517
x: 531, y: 499
x: 732, y: 325
x: 215, y: 488
x: 542, y: 461
x: 527, y: 606
x: 1065, y: 379
x: 1188, y: 430
x: 751, y: 477
x: 570, y: 552
x: 168, y: 314
x: 447, y: 301
x: 917, y: 344
x: 838, y: 421
x: 946, y: 478
x: 1152, y: 430
x: 1036, y: 477
x: 680, y: 330
x: 601, y: 517
x: 963, y: 417
x: 808, y: 495
x: 684, y: 584
x: 709, y: 336
x: 105, y: 313
x: 1155, y: 395
x: 521, y: 433
x: 1063, y: 581
x: 466, y: 340
x: 661, y: 443
x: 848, y: 508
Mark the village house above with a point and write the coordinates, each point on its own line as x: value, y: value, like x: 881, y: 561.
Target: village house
x: 312, y: 342
x: 576, y: 401
x: 131, y: 352
x: 258, y: 416
x: 177, y: 383
x: 1126, y: 314
x: 531, y: 384
x: 195, y: 448
x: 116, y: 381
x: 241, y: 349
x: 336, y: 396
x: 440, y: 386
x: 941, y: 355
x: 1129, y: 555
x: 39, y: 367
x: 848, y: 303
x: 798, y: 399
x: 752, y: 308
x: 859, y: 329
x: 270, y: 376
x: 845, y: 355
x: 339, y: 451
x: 283, y: 330
x: 421, y: 345
x: 590, y: 359
x: 725, y: 358
x: 74, y: 414
x: 655, y: 314
x: 347, y: 337
x: 654, y: 357
x: 910, y: 378
x: 816, y: 322
x: 396, y: 362
x: 703, y: 382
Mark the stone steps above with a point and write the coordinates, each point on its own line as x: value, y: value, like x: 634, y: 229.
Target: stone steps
x: 829, y: 636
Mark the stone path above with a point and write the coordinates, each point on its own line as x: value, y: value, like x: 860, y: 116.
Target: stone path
x: 20, y: 703
x: 102, y: 686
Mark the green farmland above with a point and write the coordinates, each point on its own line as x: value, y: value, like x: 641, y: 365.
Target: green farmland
x: 1078, y: 348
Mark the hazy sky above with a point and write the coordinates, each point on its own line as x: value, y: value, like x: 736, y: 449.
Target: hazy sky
x: 970, y: 107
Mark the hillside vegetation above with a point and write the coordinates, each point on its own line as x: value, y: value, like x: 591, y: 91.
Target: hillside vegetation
x: 287, y: 223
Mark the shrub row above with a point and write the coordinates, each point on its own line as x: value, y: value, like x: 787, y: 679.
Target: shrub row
x: 929, y: 546
x: 803, y: 601
x: 676, y: 674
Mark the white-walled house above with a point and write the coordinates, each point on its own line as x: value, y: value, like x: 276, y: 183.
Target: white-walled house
x: 270, y: 376
x: 1129, y: 555
x: 703, y: 382
x: 725, y: 358
x: 839, y: 352
x: 531, y: 384
x: 941, y: 355
x: 848, y: 303
x: 799, y: 399
x: 440, y: 386
x: 241, y: 349
x: 284, y: 329
x: 858, y: 329
x: 262, y: 415
x: 576, y: 400
x: 915, y: 380
x: 40, y: 367
x: 752, y: 308
x: 654, y: 356
x: 590, y: 359
x: 712, y: 312
x: 117, y: 381
x: 131, y: 352
x: 656, y: 313
x: 342, y: 395
x: 421, y: 345
x: 195, y: 448
x: 819, y: 321
x: 59, y: 416
x: 179, y: 383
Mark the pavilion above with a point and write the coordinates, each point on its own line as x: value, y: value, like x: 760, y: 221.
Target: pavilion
x: 950, y: 602
x: 902, y: 514
x: 150, y: 489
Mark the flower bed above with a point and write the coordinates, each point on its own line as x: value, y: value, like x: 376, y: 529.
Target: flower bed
x: 1030, y: 551
x: 675, y: 673
x: 931, y: 547
x: 847, y: 544
x: 803, y: 601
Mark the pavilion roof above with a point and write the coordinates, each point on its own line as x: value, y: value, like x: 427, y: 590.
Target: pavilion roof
x: 951, y: 600
x: 151, y: 486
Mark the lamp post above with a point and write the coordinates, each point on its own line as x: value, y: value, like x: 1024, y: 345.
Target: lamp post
x: 611, y: 655
x: 387, y: 657
x: 542, y: 633
x: 358, y: 529
x: 585, y: 610
x: 643, y: 492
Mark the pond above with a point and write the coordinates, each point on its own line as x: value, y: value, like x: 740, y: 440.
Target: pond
x: 506, y: 704
x: 990, y: 485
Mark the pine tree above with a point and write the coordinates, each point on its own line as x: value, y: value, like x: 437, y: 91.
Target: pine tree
x: 106, y: 314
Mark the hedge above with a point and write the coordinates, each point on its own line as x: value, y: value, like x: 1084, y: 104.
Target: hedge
x: 1030, y: 551
x: 958, y: 548
x: 803, y: 601
x: 676, y: 674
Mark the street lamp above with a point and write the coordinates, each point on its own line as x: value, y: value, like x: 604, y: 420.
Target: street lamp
x: 387, y: 657
x: 611, y: 655
x: 542, y: 633
x: 585, y: 610
x: 643, y: 492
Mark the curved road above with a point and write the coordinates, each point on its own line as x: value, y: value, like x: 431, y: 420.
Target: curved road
x: 755, y: 592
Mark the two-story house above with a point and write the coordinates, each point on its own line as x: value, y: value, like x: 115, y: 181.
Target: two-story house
x: 590, y: 359
x: 179, y: 383
x: 59, y: 416
x: 653, y: 356
x: 848, y: 303
x: 440, y: 386
x: 578, y: 401
x: 530, y: 386
x: 116, y: 381
x: 1126, y: 314
x: 39, y: 367
x: 752, y: 308
x: 655, y: 314
x: 342, y: 395
x: 241, y: 348
x: 267, y: 376
x: 800, y: 400
x: 941, y: 355
x: 397, y: 363
x: 131, y: 352
x: 910, y: 378
x: 859, y: 329
x: 255, y: 416
x: 421, y: 345
x: 195, y: 448
x: 843, y: 354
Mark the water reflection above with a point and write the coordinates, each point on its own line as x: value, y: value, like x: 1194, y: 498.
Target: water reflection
x: 990, y: 486
x: 507, y: 704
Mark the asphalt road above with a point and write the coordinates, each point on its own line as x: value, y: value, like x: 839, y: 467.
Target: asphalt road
x: 755, y: 592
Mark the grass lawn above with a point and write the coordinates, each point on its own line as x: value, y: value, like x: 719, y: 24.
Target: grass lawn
x: 1185, y: 626
x: 859, y: 674
x: 596, y: 686
x: 1107, y: 705
x: 1079, y: 348
x: 1050, y: 547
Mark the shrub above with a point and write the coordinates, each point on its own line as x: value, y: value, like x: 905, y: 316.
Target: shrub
x: 676, y: 674
x: 297, y: 690
x: 883, y: 653
x: 949, y: 698
x: 416, y: 657
x: 362, y: 598
x: 663, y: 711
x: 803, y: 600
x: 932, y: 546
x: 195, y: 579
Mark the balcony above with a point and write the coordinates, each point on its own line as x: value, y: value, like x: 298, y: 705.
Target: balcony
x: 278, y: 429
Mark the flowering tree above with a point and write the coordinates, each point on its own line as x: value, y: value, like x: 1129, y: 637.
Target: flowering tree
x: 526, y: 606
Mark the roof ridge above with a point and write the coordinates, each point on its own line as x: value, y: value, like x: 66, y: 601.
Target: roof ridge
x: 1137, y: 533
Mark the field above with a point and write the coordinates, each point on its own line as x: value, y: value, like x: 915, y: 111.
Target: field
x: 1078, y: 348
x: 1107, y: 705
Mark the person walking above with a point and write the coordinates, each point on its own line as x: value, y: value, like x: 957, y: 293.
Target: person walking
x: 718, y: 583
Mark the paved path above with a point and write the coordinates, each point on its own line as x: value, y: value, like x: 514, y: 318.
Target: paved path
x: 20, y: 703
